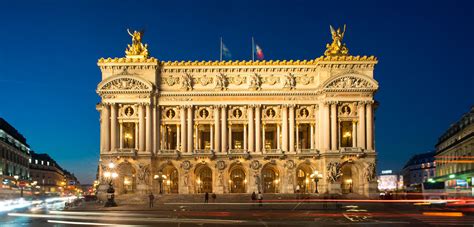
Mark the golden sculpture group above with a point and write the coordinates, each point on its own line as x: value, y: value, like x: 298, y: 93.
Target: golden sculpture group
x: 336, y: 48
x: 137, y: 49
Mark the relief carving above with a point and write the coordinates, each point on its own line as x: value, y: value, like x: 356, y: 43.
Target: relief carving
x: 350, y: 82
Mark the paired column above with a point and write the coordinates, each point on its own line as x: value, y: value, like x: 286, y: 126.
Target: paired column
x: 141, y: 128
x: 182, y: 116
x: 326, y: 132
x: 370, y: 125
x: 121, y: 135
x: 334, y: 126
x: 361, y: 128
x: 284, y: 123
x: 251, y: 128
x: 258, y: 125
x: 190, y: 129
x: 105, y: 122
x: 245, y: 137
x: 224, y: 129
x: 292, y: 129
x: 312, y: 136
x: 354, y: 133
x: 217, y: 129
x: 316, y: 131
x: 113, y: 127
x: 148, y: 127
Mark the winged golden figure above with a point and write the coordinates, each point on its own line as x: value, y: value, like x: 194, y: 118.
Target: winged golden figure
x: 337, y: 47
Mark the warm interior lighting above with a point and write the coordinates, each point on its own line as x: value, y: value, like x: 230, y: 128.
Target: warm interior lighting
x: 347, y: 134
x: 107, y: 174
x: 111, y: 165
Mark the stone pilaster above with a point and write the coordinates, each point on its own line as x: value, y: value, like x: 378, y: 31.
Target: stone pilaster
x: 183, y: 141
x: 292, y: 129
x: 251, y: 128
x: 149, y: 132
x: 258, y: 130
x: 334, y: 130
x: 141, y: 128
x: 217, y: 130
x: 370, y: 126
x: 189, y: 129
x: 361, y: 128
x: 224, y: 129
x: 113, y: 127
x: 284, y: 123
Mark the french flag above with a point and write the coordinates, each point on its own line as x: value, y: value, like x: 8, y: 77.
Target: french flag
x: 259, y: 52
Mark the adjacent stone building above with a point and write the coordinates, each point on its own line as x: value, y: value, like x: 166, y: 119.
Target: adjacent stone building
x: 14, y: 155
x: 238, y: 126
x: 419, y: 169
x: 455, y: 152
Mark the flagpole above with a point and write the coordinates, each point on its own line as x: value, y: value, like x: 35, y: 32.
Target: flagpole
x: 221, y: 50
x: 253, y: 50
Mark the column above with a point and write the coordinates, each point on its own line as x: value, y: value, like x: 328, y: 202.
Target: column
x: 196, y: 135
x: 361, y: 128
x: 158, y: 128
x: 121, y: 135
x: 278, y: 137
x: 370, y: 124
x: 325, y: 122
x: 251, y: 129
x: 312, y: 136
x: 141, y: 128
x: 230, y: 137
x: 354, y: 134
x: 183, y: 142
x: 258, y: 126
x: 156, y: 125
x: 106, y: 127
x: 113, y: 127
x: 178, y: 137
x: 149, y: 132
x: 316, y: 124
x: 190, y: 129
x: 224, y: 129
x: 245, y: 137
x: 284, y: 123
x: 292, y: 129
x: 297, y: 137
x: 334, y: 126
x: 263, y: 138
x: 211, y: 129
x: 136, y: 136
x: 217, y: 134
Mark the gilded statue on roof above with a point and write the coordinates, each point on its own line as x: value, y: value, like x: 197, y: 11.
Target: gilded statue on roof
x: 337, y: 47
x: 137, y: 49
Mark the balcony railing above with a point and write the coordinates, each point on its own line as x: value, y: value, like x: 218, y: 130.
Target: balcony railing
x: 237, y: 151
x: 272, y: 151
x: 308, y: 151
x: 351, y: 150
x: 168, y: 151
x: 126, y: 151
x: 203, y: 151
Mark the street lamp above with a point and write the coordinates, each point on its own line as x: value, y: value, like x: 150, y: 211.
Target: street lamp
x: 316, y: 176
x: 160, y: 177
x: 110, y: 176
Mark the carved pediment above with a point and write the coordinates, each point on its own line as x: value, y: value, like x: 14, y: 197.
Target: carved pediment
x: 124, y: 84
x: 351, y: 82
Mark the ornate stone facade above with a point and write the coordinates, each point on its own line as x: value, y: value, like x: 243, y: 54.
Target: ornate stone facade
x: 238, y: 126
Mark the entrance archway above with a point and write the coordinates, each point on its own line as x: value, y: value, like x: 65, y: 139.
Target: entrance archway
x: 303, y: 178
x: 171, y: 184
x: 271, y: 179
x: 349, y: 180
x: 237, y: 181
x: 203, y: 179
x: 126, y: 181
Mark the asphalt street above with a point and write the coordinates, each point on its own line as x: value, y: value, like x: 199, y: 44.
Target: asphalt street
x: 271, y: 213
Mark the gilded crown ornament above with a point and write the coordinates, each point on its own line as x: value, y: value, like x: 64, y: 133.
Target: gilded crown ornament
x: 336, y: 48
x: 137, y: 49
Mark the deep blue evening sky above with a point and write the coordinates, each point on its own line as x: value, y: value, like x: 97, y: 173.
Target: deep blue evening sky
x: 49, y: 51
